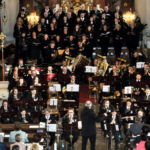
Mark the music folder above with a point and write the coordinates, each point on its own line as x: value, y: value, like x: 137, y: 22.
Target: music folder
x: 55, y: 88
x: 79, y: 125
x: 72, y: 87
x: 53, y: 102
x: 106, y: 88
x: 90, y: 69
x: 51, y: 127
x: 2, y: 135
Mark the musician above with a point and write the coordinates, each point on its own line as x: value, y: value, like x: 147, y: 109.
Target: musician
x: 23, y: 117
x: 146, y: 94
x: 5, y: 107
x: 117, y: 39
x: 50, y: 74
x: 108, y: 13
x: 104, y: 39
x: 48, y: 118
x: 70, y: 119
x: 21, y: 82
x: 146, y: 71
x: 141, y: 116
x: 52, y: 53
x: 14, y: 96
x: 48, y: 10
x: 31, y: 77
x: 114, y: 120
x: 89, y: 120
x: 45, y: 47
x: 132, y: 38
x: 67, y: 52
x: 83, y: 11
x: 36, y: 82
x: 105, y: 110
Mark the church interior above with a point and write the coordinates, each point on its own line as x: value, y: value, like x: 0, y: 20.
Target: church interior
x: 74, y: 75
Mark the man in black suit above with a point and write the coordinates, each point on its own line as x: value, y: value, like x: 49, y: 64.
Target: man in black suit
x: 89, y: 120
x: 49, y: 119
x: 113, y: 120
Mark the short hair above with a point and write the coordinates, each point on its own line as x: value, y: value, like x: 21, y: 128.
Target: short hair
x: 34, y: 146
x: 88, y: 104
x: 18, y: 138
x: 15, y: 147
x: 17, y: 126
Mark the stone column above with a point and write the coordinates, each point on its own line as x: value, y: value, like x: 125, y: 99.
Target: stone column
x: 143, y: 11
x: 12, y: 9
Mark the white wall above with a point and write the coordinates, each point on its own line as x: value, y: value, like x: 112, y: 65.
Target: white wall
x: 12, y: 9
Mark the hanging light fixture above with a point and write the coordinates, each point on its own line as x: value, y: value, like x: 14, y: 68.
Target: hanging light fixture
x: 4, y: 18
x: 129, y: 17
x: 33, y: 18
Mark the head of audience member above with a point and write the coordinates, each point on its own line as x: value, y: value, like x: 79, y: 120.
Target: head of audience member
x: 17, y: 126
x: 15, y: 147
x: 18, y: 138
x: 34, y: 146
x: 88, y: 104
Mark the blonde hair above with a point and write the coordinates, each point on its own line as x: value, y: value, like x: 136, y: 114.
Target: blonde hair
x: 34, y: 146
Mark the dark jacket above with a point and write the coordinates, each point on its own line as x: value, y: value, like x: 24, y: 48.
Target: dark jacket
x: 89, y: 119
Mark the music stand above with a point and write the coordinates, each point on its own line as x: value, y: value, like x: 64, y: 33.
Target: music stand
x: 72, y: 87
x: 70, y: 128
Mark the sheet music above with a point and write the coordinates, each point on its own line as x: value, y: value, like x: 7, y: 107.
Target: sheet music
x: 55, y: 87
x: 105, y: 127
x: 72, y: 87
x: 79, y: 124
x: 106, y: 88
x: 90, y: 69
x: 68, y: 100
x: 117, y: 127
x: 53, y: 102
x: 51, y: 127
x: 42, y: 125
x: 128, y: 90
x: 140, y: 65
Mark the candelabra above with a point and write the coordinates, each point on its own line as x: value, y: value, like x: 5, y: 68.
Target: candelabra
x: 2, y: 37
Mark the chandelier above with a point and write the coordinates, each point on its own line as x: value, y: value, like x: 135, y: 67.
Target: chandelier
x: 33, y: 18
x: 129, y: 17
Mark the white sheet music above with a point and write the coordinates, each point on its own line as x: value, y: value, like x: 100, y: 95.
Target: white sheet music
x: 106, y: 88
x: 117, y: 127
x: 128, y: 89
x: 55, y: 87
x: 42, y: 125
x: 53, y: 102
x: 105, y: 127
x: 140, y: 65
x: 51, y: 127
x: 79, y: 124
x: 90, y: 69
x: 69, y: 100
x: 72, y: 87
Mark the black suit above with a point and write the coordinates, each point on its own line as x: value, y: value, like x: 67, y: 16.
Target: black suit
x: 113, y: 132
x: 73, y: 132
x: 25, y: 119
x: 89, y: 119
x: 52, y: 121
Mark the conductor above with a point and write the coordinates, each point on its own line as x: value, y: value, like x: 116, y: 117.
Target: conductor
x: 89, y: 119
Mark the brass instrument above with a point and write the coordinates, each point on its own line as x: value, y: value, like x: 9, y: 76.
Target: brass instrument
x: 69, y: 59
x: 102, y: 65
